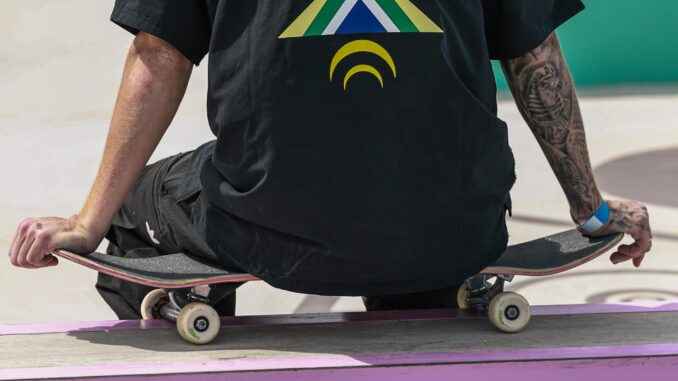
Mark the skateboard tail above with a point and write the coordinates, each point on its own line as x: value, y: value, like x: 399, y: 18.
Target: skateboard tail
x: 554, y: 270
x: 153, y: 281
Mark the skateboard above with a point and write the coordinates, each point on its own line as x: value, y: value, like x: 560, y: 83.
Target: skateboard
x: 183, y: 282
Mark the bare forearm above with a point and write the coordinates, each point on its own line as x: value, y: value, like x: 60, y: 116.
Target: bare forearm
x: 154, y: 82
x: 544, y: 92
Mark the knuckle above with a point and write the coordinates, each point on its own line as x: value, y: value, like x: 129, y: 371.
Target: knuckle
x: 634, y: 231
x: 25, y: 225
x: 42, y: 236
x: 31, y: 233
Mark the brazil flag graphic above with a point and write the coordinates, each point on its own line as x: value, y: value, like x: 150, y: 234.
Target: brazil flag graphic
x: 334, y: 17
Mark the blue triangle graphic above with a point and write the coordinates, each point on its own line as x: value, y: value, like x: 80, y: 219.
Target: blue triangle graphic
x: 360, y: 20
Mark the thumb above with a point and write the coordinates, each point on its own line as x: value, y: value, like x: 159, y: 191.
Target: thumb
x: 49, y: 261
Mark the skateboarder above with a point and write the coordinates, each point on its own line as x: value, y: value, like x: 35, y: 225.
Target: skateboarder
x: 357, y: 150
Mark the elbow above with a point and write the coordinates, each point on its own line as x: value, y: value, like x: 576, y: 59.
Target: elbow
x: 158, y: 54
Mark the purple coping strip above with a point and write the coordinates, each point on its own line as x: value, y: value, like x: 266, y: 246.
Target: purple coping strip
x: 616, y: 369
x: 607, y: 354
x: 319, y: 318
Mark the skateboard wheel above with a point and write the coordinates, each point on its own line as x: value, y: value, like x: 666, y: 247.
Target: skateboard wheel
x: 462, y: 294
x: 509, y: 312
x: 198, y: 323
x: 151, y: 303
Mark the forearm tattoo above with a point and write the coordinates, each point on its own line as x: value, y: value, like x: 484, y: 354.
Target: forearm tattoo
x: 542, y: 87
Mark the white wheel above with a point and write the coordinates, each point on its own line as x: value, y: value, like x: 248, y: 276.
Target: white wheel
x: 198, y: 323
x: 462, y: 294
x: 151, y: 303
x: 509, y: 312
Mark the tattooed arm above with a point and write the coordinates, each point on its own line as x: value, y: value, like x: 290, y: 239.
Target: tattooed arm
x: 544, y: 92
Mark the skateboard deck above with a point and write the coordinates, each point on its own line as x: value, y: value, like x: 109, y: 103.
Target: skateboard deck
x: 544, y: 256
x: 168, y: 271
x: 552, y: 254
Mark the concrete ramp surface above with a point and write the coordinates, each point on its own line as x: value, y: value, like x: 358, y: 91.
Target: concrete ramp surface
x: 562, y: 343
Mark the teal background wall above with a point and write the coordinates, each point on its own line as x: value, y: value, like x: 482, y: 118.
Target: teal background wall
x: 621, y: 41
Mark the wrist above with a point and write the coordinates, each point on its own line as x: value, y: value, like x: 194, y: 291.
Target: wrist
x: 89, y: 226
x: 585, y: 206
x: 597, y: 219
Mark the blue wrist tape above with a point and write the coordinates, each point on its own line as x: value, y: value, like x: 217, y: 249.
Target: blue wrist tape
x: 599, y: 219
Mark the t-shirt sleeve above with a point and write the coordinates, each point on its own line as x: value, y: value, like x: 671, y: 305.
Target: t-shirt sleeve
x: 515, y: 27
x: 182, y: 23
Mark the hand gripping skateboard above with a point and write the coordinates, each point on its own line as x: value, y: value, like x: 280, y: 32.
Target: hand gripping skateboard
x: 509, y: 311
x: 183, y: 281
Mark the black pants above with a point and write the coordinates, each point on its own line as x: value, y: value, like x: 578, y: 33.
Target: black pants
x: 157, y: 218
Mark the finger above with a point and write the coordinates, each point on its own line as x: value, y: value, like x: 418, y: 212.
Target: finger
x: 49, y: 261
x: 39, y: 249
x: 21, y: 260
x: 11, y: 243
x: 19, y: 238
x: 638, y: 248
x: 15, y: 250
x: 633, y: 250
x: 46, y: 260
x: 54, y: 261
x: 629, y: 250
x: 618, y: 257
x: 625, y: 254
x: 642, y: 237
x: 644, y: 240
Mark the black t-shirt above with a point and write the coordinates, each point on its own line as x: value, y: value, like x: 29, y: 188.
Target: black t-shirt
x: 358, y: 150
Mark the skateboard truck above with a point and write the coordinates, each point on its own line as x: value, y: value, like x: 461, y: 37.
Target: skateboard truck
x: 508, y: 311
x: 197, y: 322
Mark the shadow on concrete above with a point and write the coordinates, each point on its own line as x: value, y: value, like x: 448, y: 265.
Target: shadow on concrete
x: 648, y: 176
x: 626, y: 294
x: 349, y: 339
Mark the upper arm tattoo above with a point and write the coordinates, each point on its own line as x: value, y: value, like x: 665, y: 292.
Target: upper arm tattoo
x: 544, y: 92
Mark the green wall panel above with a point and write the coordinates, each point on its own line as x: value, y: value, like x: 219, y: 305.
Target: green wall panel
x: 621, y: 41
